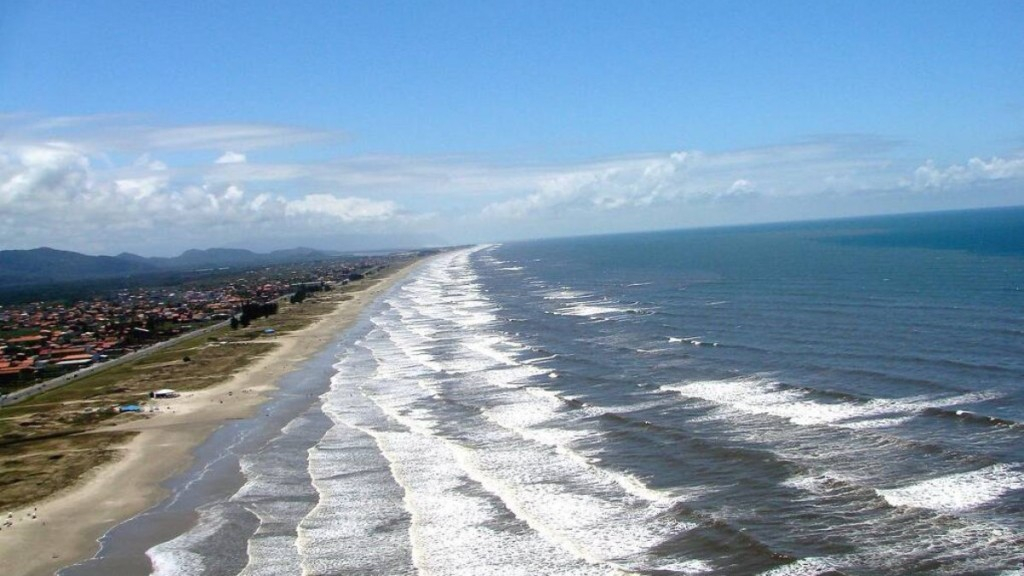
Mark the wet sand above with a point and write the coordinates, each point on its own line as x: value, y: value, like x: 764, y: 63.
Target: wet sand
x: 64, y: 529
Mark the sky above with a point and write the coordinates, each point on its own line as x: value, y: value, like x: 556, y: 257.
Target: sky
x: 157, y: 127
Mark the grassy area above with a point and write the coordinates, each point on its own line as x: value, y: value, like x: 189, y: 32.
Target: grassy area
x: 51, y: 440
x: 32, y: 470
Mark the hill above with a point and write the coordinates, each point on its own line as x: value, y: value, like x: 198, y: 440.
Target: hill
x: 48, y: 266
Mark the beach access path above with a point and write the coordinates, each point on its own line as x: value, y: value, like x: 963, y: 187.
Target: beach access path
x: 65, y: 528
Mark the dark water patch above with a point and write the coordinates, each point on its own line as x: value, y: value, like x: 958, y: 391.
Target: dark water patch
x: 726, y: 549
x: 994, y: 231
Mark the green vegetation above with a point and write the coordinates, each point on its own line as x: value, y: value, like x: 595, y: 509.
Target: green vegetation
x: 30, y: 471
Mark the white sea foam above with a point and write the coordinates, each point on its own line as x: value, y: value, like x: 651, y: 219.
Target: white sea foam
x: 487, y: 346
x: 280, y: 495
x: 565, y: 294
x: 359, y: 524
x: 270, y: 555
x: 759, y: 396
x: 591, y: 309
x: 512, y: 377
x: 598, y: 520
x: 815, y: 484
x: 451, y: 527
x: 177, y: 557
x: 804, y: 567
x: 958, y: 492
x: 688, y: 567
x: 951, y: 549
x: 534, y: 419
x: 604, y: 522
x: 539, y: 360
x: 694, y: 340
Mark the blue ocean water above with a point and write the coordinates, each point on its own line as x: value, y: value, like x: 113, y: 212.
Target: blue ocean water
x: 821, y: 398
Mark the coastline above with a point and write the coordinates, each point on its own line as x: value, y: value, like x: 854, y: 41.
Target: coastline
x: 65, y: 528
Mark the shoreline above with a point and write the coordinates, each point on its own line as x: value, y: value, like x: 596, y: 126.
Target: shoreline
x: 65, y: 528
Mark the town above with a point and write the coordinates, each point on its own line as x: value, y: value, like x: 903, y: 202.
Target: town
x: 43, y: 340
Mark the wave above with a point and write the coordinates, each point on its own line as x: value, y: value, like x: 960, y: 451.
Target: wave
x: 359, y: 523
x: 565, y: 294
x: 591, y: 309
x: 694, y: 340
x: 808, y: 407
x: 974, y: 418
x: 958, y: 492
x: 178, y: 557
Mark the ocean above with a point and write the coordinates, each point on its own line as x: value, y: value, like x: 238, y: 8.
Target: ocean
x: 819, y: 398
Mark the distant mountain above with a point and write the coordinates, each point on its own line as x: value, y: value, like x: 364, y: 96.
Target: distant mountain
x: 230, y: 257
x: 212, y: 258
x: 302, y: 253
x: 132, y: 257
x: 46, y: 265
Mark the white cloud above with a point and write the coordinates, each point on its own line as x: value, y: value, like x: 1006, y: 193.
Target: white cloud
x: 137, y: 189
x: 689, y: 177
x: 53, y: 195
x: 347, y: 209
x: 225, y: 136
x: 231, y: 158
x: 46, y: 171
x: 741, y: 188
x: 145, y: 161
x: 233, y: 193
x: 816, y: 179
x: 928, y: 176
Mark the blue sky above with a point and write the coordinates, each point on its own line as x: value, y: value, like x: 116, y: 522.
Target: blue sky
x: 341, y: 123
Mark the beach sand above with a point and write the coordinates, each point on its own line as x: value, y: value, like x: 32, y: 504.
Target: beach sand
x: 64, y: 529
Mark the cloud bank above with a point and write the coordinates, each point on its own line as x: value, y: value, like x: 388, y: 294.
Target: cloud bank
x: 107, y: 184
x: 52, y: 194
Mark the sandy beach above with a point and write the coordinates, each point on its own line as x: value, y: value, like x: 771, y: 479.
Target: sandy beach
x: 64, y: 529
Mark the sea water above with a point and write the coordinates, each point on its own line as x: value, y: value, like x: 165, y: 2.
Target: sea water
x: 821, y: 398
